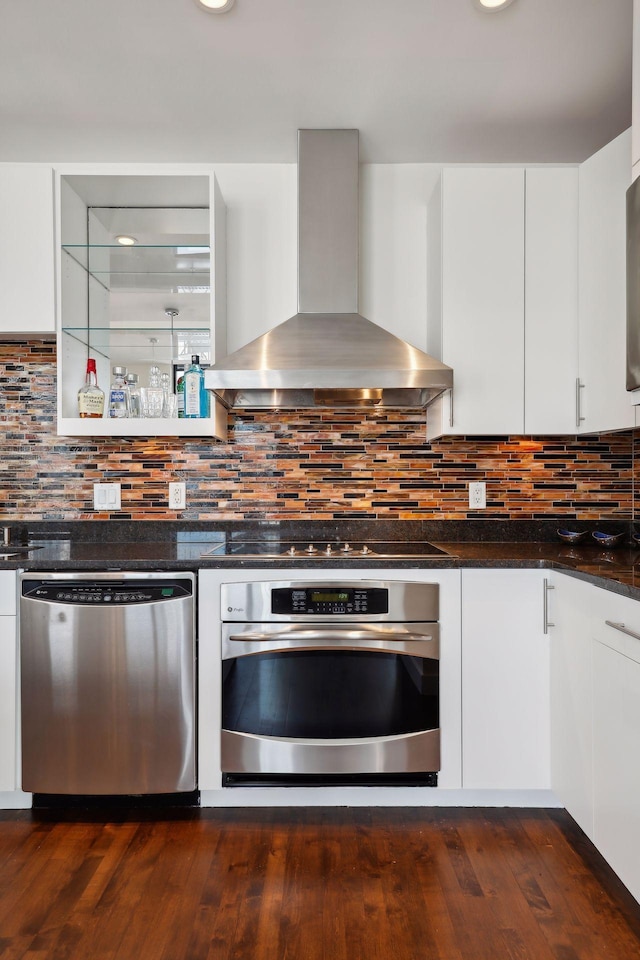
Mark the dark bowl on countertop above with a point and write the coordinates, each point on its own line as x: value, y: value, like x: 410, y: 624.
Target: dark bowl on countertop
x: 608, y: 540
x: 572, y: 536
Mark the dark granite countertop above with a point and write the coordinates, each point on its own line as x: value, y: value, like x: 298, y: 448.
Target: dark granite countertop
x: 145, y: 546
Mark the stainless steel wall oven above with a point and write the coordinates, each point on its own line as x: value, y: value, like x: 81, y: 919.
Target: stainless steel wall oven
x: 330, y: 682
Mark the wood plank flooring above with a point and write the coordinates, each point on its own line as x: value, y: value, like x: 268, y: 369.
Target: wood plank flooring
x: 309, y: 884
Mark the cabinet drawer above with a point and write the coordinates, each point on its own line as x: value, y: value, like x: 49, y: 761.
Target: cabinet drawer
x: 616, y: 624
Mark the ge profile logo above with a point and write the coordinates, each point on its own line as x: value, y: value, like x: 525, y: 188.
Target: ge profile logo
x: 235, y: 609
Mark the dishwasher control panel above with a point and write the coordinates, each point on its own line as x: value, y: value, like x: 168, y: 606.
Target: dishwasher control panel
x: 91, y: 592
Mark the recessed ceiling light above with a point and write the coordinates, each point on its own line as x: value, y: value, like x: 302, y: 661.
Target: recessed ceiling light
x: 216, y: 6
x: 125, y: 240
x: 492, y: 6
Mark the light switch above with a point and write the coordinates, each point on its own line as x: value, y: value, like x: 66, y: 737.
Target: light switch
x: 106, y: 496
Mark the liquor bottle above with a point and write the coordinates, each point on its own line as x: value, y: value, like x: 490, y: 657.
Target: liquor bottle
x: 154, y: 394
x: 118, y: 396
x: 90, y: 396
x: 134, y: 395
x: 180, y: 394
x: 196, y: 401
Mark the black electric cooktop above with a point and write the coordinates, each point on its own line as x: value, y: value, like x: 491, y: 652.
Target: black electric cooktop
x: 325, y: 550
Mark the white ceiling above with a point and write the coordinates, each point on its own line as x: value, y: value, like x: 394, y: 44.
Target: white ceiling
x: 423, y: 80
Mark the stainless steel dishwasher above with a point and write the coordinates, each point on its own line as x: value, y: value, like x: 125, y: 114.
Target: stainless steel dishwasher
x: 108, y: 683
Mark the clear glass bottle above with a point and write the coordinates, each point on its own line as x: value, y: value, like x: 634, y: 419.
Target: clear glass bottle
x: 134, y: 396
x: 154, y: 393
x: 90, y: 396
x: 196, y: 401
x: 118, y: 394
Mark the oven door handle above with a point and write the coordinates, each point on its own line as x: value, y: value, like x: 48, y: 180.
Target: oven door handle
x: 384, y: 640
x: 315, y: 637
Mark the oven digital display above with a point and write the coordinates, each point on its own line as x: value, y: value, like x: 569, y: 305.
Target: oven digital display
x: 325, y: 602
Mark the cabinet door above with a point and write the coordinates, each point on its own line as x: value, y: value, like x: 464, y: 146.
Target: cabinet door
x: 505, y: 681
x: 551, y: 300
x: 571, y: 697
x: 8, y: 680
x: 483, y: 298
x: 635, y: 109
x: 603, y: 182
x: 616, y: 733
x: 26, y: 224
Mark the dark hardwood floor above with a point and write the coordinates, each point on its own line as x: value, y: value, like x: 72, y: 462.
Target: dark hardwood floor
x: 309, y: 884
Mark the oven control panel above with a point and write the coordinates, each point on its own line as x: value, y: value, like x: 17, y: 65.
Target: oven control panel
x: 329, y: 601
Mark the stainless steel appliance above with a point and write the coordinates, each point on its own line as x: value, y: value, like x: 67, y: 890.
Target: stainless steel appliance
x: 275, y: 548
x: 108, y: 683
x: 327, y: 354
x: 330, y: 681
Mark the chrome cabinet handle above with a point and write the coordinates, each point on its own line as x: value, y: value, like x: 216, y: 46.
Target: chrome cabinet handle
x: 579, y: 387
x: 546, y: 623
x: 621, y: 627
x: 451, y: 408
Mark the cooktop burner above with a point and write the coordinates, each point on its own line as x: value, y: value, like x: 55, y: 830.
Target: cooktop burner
x: 333, y: 550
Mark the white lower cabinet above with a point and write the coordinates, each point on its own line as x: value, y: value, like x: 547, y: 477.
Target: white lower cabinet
x: 505, y: 681
x: 616, y: 735
x: 595, y: 718
x: 571, y: 697
x: 8, y: 681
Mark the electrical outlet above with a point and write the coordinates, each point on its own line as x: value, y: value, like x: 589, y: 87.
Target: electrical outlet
x: 177, y: 496
x: 478, y: 495
x: 106, y: 497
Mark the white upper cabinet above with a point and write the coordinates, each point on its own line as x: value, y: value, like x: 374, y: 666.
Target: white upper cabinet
x: 604, y: 179
x: 27, y: 249
x: 551, y: 300
x: 482, y: 302
x: 505, y: 315
x: 635, y: 115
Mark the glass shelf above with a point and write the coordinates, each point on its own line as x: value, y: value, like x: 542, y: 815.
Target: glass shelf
x: 145, y: 266
x: 136, y: 346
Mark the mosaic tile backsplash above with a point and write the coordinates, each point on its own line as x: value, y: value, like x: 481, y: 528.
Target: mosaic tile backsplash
x: 296, y: 465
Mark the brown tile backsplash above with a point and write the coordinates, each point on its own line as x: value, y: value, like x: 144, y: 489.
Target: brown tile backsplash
x: 297, y: 465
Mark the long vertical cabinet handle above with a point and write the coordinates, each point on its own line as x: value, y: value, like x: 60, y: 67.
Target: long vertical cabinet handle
x: 451, y: 408
x: 579, y: 387
x: 546, y: 623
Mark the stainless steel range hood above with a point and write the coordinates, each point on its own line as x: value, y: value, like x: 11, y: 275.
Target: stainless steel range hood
x: 328, y: 355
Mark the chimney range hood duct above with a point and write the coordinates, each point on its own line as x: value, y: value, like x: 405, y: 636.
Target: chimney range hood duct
x: 327, y: 355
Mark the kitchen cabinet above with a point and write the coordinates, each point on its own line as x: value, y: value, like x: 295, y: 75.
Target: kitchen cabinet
x: 551, y: 300
x: 603, y: 181
x: 616, y: 733
x: 506, y: 315
x: 480, y: 327
x: 505, y: 681
x: 8, y: 681
x: 26, y: 250
x: 635, y: 92
x: 151, y: 302
x: 572, y: 696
